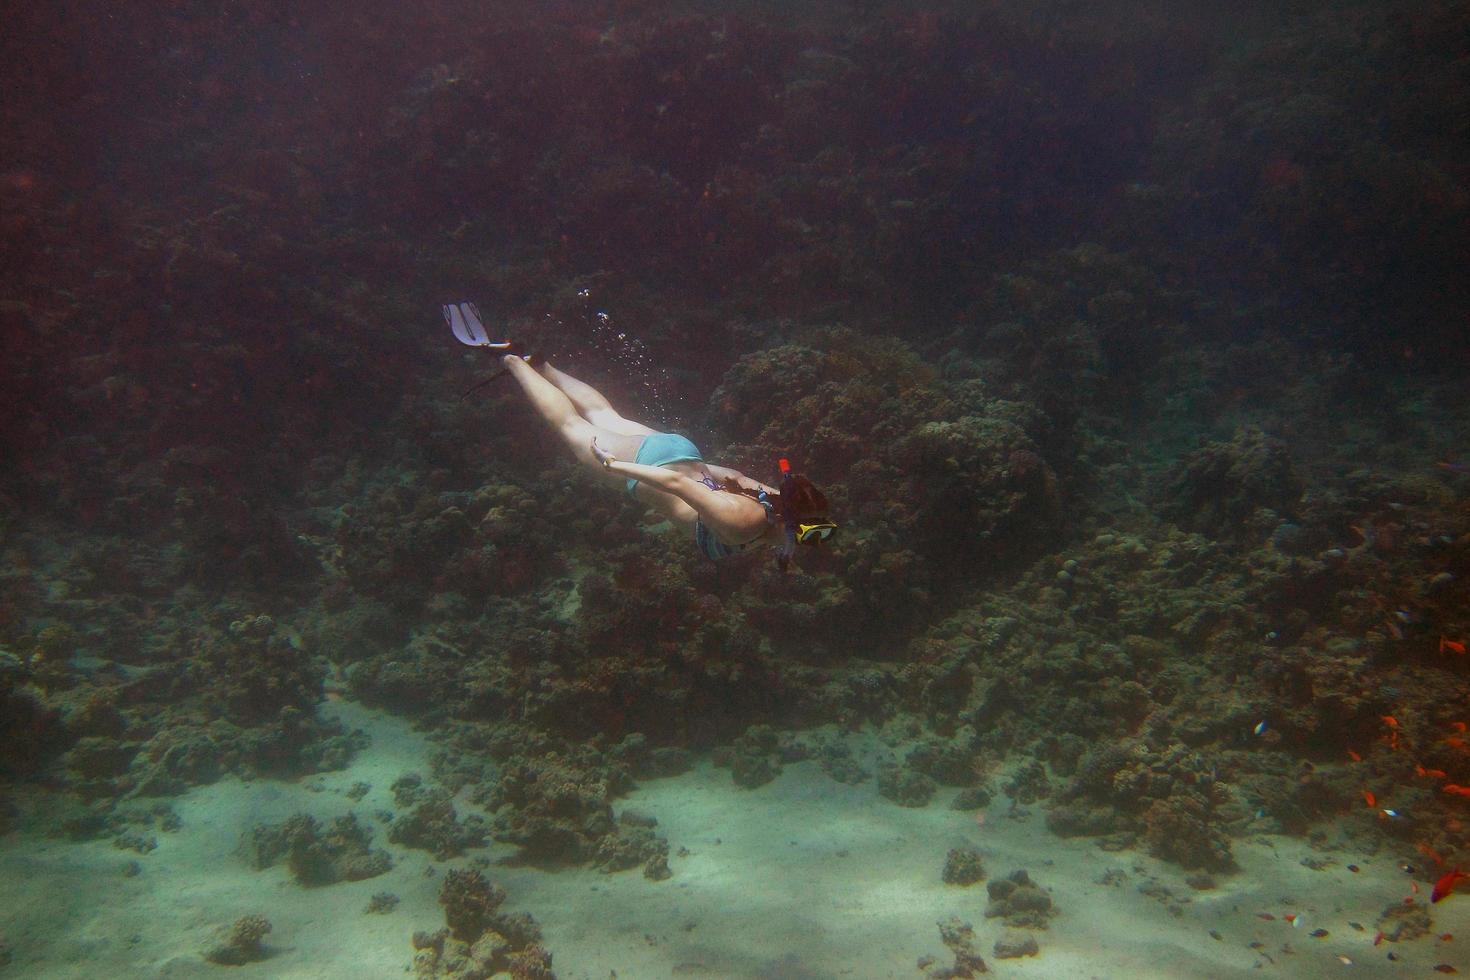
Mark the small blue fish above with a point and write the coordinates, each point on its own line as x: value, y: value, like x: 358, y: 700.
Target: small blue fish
x: 1454, y: 467
x: 1260, y: 728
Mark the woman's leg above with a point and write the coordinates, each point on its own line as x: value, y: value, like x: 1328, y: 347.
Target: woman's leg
x: 553, y: 405
x: 557, y: 408
x: 591, y: 405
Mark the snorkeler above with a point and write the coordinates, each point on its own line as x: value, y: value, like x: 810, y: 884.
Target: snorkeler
x: 730, y: 511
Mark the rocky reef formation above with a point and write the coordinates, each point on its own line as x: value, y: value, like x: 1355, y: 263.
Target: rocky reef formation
x: 240, y: 942
x: 1127, y: 383
x: 480, y: 940
x: 316, y: 856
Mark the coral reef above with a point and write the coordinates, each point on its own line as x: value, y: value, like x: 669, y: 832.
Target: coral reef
x: 959, y: 936
x: 316, y: 856
x: 381, y: 903
x: 1130, y: 356
x: 480, y: 940
x: 1402, y: 922
x: 433, y: 825
x: 962, y: 866
x: 1019, y: 902
x: 1241, y: 489
x: 1178, y: 829
x: 905, y: 787
x: 1014, y: 945
x: 240, y: 942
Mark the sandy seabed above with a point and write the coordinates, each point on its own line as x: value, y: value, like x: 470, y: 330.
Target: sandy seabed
x: 799, y: 879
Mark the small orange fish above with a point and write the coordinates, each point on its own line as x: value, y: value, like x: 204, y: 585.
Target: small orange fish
x: 1354, y: 756
x: 1390, y: 721
x: 1378, y: 938
x: 1459, y: 726
x: 1290, y: 917
x: 1429, y: 852
x: 1453, y: 646
x: 1266, y: 915
x: 1445, y: 968
x: 1431, y: 773
x: 1456, y: 742
x: 1414, y: 887
x: 1456, y: 790
x: 1445, y: 885
x: 1369, y: 798
x: 1445, y: 937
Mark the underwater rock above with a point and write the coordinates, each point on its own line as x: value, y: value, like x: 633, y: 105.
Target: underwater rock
x: 947, y: 762
x: 637, y: 818
x: 959, y: 936
x: 101, y: 758
x: 836, y: 759
x: 408, y: 789
x: 470, y: 903
x: 1179, y: 829
x: 381, y: 903
x: 434, y: 826
x: 667, y: 760
x: 257, y: 670
x: 973, y: 798
x: 480, y: 940
x: 1028, y: 783
x: 1081, y: 819
x: 650, y: 762
x: 750, y: 771
x: 240, y: 942
x: 905, y: 786
x: 962, y: 866
x: 141, y: 843
x: 30, y: 732
x: 556, y: 808
x: 1217, y: 489
x: 629, y: 846
x: 1019, y: 901
x: 755, y: 757
x: 343, y: 852
x: 1014, y: 945
x: 1400, y: 922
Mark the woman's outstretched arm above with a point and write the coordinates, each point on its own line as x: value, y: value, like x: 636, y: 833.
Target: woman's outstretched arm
x: 723, y: 474
x: 692, y: 492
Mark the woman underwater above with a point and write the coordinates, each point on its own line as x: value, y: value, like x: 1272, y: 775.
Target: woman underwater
x: 730, y: 511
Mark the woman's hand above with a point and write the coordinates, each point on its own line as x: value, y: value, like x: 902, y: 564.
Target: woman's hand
x: 603, y: 457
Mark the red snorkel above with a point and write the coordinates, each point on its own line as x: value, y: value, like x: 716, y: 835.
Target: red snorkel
x: 788, y: 546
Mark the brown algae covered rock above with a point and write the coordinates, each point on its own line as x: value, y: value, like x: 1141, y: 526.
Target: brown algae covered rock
x: 905, y: 787
x: 1218, y: 489
x: 240, y: 942
x: 962, y: 866
x: 1014, y: 945
x: 316, y: 856
x: 480, y: 940
x: 959, y: 936
x: 1401, y: 922
x: 1019, y: 901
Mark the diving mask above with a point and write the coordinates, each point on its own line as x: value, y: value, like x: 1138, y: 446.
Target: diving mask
x: 814, y: 533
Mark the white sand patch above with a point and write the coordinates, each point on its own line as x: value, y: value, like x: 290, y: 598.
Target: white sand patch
x: 801, y: 878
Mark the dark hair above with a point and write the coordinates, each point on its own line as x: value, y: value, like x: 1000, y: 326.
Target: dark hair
x: 801, y: 498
